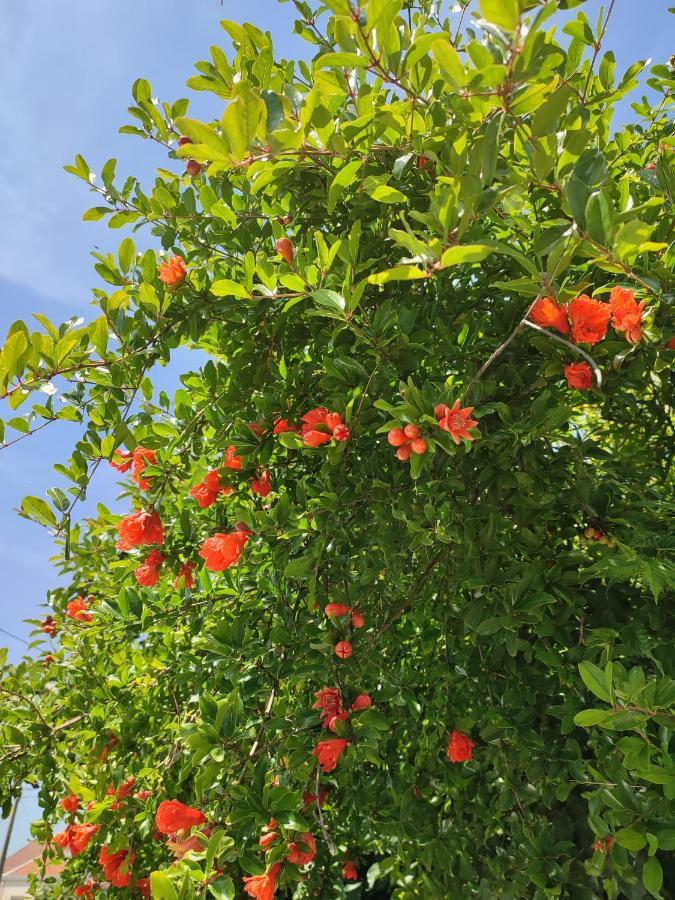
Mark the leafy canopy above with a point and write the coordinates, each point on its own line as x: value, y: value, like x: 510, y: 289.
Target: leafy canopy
x: 394, y: 233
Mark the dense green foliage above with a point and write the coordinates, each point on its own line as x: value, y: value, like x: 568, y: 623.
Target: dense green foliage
x: 433, y: 185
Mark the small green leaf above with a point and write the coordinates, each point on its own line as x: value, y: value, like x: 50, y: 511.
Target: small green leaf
x: 161, y: 887
x: 595, y: 680
x: 652, y: 875
x: 588, y: 717
x: 504, y: 13
x: 449, y: 63
x: 224, y: 287
x: 398, y: 273
x: 465, y: 253
x: 345, y: 177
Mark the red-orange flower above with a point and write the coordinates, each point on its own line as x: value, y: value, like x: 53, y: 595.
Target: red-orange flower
x: 456, y: 421
x: 231, y: 460
x: 309, y: 799
x: 147, y: 574
x: 76, y: 837
x: 185, y: 575
x: 117, y: 866
x: 142, y: 458
x: 302, y: 851
x: 138, y: 529
x: 460, y: 747
x: 70, y: 803
x: 361, y: 701
x: 349, y: 871
x: 328, y: 753
x: 207, y: 491
x: 579, y: 375
x: 626, y: 313
x: 319, y: 426
x: 143, y: 887
x: 329, y: 701
x: 282, y: 425
x: 172, y: 272
x: 122, y: 460
x: 173, y: 816
x: 266, y: 841
x: 262, y: 887
x: 262, y: 486
x: 547, y: 313
x: 88, y: 889
x: 337, y: 609
x: 78, y: 609
x: 589, y: 319
x: 223, y: 550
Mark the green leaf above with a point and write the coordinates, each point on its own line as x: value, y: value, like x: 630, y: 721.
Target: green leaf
x: 127, y: 253
x: 465, y: 253
x: 344, y: 178
x: 384, y: 193
x: 398, y: 273
x: 38, y: 509
x: 329, y: 300
x: 630, y: 839
x: 449, y: 63
x: 504, y: 13
x: 652, y: 875
x: 588, y: 717
x: 244, y: 120
x: 595, y: 680
x: 222, y: 888
x: 161, y: 887
x: 341, y: 61
x: 224, y: 287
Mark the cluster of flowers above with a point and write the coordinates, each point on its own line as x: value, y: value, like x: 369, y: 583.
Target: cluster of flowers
x: 456, y: 421
x: 344, y: 649
x: 117, y: 866
x: 586, y: 320
x: 140, y: 458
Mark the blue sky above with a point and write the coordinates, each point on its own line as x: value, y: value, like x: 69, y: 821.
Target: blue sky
x: 66, y: 67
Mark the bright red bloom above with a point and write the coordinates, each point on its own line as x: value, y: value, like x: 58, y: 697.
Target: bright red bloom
x: 319, y: 426
x: 50, y: 626
x: 143, y: 887
x: 207, y: 491
x: 78, y: 609
x: 173, y: 816
x: 579, y: 375
x: 671, y: 344
x: 262, y: 886
x: 142, y: 458
x: 262, y: 486
x: 456, y: 421
x: 349, y: 871
x: 329, y: 701
x: 343, y: 649
x: 358, y: 619
x: 223, y: 550
x: 122, y: 460
x: 88, y: 889
x: 548, y: 314
x: 117, y: 866
x: 172, y: 272
x: 231, y: 460
x: 284, y: 247
x: 70, y: 803
x: 147, y: 574
x: 460, y: 747
x: 138, y: 529
x: 302, y: 851
x: 266, y: 841
x: 185, y: 575
x: 361, y: 701
x: 126, y: 787
x: 589, y: 319
x: 328, y: 753
x: 626, y: 313
x: 337, y: 609
x: 76, y: 837
x: 283, y: 425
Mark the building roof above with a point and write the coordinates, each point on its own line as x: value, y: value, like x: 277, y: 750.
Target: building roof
x: 26, y: 860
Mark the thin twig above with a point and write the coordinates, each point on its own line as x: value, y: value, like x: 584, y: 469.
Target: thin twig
x: 556, y: 337
x: 326, y: 836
